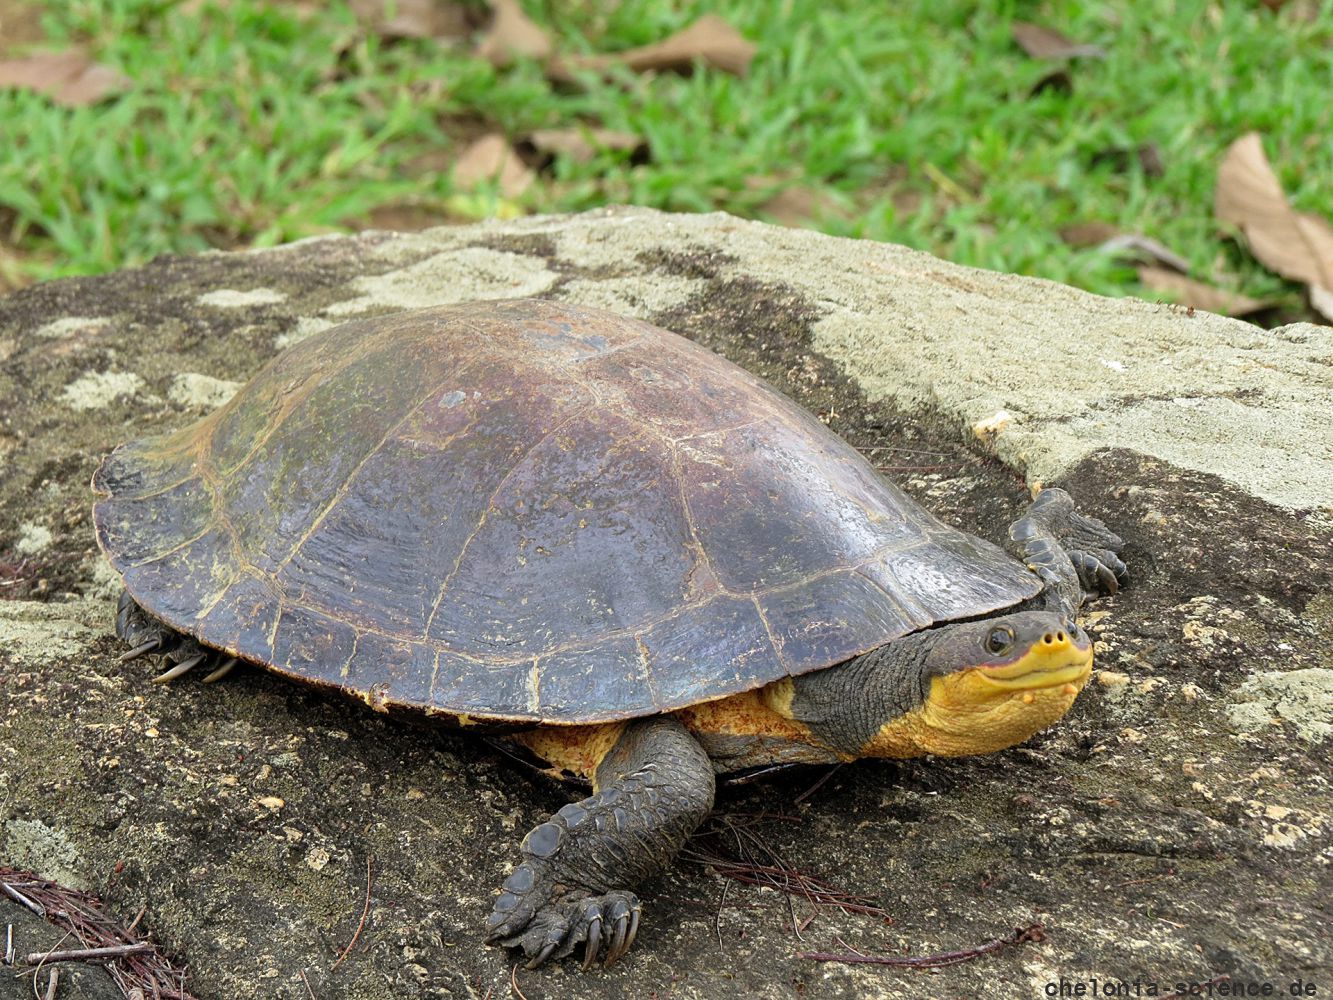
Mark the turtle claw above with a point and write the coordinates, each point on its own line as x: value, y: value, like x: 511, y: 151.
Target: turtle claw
x: 618, y: 943
x: 607, y: 923
x: 221, y: 671
x: 633, y: 931
x: 594, y: 944
x: 1099, y: 570
x: 543, y: 955
x: 185, y: 666
x: 142, y: 649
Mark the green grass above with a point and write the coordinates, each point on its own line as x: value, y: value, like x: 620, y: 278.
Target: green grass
x: 252, y: 126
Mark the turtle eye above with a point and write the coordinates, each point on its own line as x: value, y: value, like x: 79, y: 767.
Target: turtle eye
x: 1000, y: 639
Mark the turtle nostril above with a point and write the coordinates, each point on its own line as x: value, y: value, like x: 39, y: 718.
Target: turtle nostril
x: 1048, y: 638
x: 1059, y: 637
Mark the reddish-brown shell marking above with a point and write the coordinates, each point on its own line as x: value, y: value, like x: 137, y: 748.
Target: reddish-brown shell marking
x: 528, y: 510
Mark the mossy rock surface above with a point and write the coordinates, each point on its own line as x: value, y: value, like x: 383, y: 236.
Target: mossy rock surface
x: 1175, y: 827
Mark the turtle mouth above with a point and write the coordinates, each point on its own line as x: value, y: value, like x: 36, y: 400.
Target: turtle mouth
x: 1051, y: 661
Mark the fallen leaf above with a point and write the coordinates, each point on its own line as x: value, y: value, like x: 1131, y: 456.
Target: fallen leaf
x: 513, y: 35
x: 710, y: 41
x: 1295, y: 245
x: 1300, y: 11
x: 1134, y: 247
x: 1198, y: 294
x: 11, y: 277
x: 1321, y: 301
x: 406, y: 218
x: 542, y: 146
x: 1058, y: 80
x: 797, y: 205
x: 417, y: 18
x: 491, y: 158
x: 69, y: 78
x: 20, y: 24
x: 1088, y: 234
x: 1047, y: 43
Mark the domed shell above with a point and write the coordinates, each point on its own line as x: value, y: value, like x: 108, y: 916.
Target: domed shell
x: 528, y: 510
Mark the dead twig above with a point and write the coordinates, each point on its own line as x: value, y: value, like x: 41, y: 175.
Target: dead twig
x: 88, y: 954
x: 918, y: 468
x: 1021, y: 935
x: 823, y: 780
x: 307, y: 985
x: 22, y: 900
x: 1169, y: 873
x: 51, y: 984
x: 717, y: 917
x: 905, y: 451
x: 139, y: 969
x: 513, y: 982
x: 755, y: 862
x: 365, y: 911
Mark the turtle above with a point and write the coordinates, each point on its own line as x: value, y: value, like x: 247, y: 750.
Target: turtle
x: 603, y: 542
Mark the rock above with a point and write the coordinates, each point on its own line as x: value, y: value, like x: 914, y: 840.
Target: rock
x: 200, y: 392
x: 248, y: 816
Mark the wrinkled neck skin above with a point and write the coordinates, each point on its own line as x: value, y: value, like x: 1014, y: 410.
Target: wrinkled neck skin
x: 942, y: 691
x: 846, y: 706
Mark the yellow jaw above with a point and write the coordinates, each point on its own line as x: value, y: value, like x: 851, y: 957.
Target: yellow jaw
x: 984, y: 709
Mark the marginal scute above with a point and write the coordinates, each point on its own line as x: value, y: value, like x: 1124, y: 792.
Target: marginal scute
x: 529, y: 511
x: 823, y: 622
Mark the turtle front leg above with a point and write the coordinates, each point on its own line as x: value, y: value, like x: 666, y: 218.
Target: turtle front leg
x: 652, y: 790
x: 1075, y: 555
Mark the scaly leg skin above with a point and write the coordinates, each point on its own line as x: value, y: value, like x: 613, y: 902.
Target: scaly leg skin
x: 650, y: 793
x: 1076, y: 556
x: 146, y: 635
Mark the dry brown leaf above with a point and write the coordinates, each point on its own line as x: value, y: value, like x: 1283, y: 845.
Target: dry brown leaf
x: 1057, y: 80
x: 1198, y: 294
x: 1293, y: 244
x: 1047, y: 43
x: 513, y: 35
x: 795, y: 206
x: 20, y: 23
x: 1088, y: 234
x: 1133, y: 247
x: 406, y: 218
x: 69, y: 78
x: 1321, y: 301
x: 416, y: 18
x: 543, y: 145
x: 491, y: 158
x: 709, y: 40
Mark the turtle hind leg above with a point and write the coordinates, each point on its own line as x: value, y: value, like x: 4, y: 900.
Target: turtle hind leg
x: 654, y: 788
x: 145, y: 636
x: 1076, y: 556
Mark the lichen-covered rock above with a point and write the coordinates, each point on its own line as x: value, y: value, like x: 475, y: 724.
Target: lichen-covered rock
x: 1175, y: 827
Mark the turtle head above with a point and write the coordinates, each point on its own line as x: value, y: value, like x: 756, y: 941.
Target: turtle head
x: 986, y: 685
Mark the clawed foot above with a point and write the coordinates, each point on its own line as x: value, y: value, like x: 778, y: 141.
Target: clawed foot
x: 553, y: 928
x: 148, y: 636
x: 1053, y: 530
x: 655, y: 785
